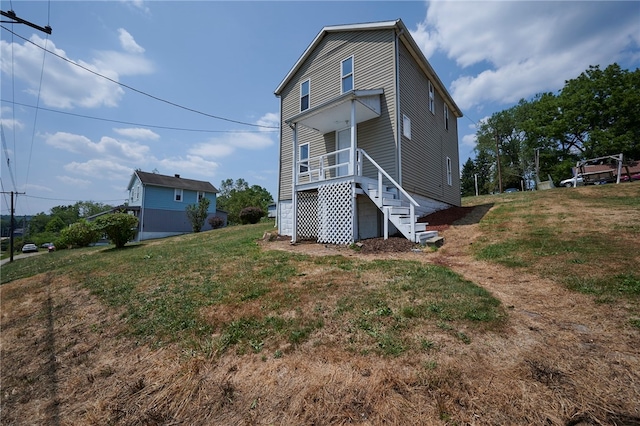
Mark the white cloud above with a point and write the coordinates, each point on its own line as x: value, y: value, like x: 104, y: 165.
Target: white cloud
x: 104, y: 169
x: 469, y: 141
x: 137, y: 133
x: 30, y: 186
x: 106, y: 147
x: 190, y: 165
x: 128, y: 43
x: 516, y: 49
x: 78, y: 183
x: 65, y: 85
x: 227, y: 144
x: 11, y: 124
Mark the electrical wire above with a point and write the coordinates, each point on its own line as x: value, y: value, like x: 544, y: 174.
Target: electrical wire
x: 129, y: 123
x: 244, y: 123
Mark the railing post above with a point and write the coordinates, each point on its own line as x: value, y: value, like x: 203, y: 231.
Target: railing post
x: 412, y: 210
x: 386, y: 222
x: 380, y: 186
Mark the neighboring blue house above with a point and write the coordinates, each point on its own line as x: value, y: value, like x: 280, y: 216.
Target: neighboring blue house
x: 159, y: 202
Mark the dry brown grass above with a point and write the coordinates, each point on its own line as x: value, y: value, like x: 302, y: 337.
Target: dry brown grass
x: 560, y: 359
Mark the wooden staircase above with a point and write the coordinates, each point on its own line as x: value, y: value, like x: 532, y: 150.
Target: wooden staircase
x: 399, y: 212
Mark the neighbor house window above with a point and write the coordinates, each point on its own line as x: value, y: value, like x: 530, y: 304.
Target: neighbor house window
x: 432, y: 98
x: 347, y: 74
x: 446, y: 117
x: 304, y: 95
x: 304, y: 158
x: 177, y: 195
x: 406, y: 126
x: 449, y: 172
x: 201, y: 195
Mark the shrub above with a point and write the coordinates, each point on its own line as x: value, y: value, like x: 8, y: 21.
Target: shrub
x: 118, y: 227
x: 79, y: 234
x: 197, y: 214
x: 216, y: 222
x: 251, y: 215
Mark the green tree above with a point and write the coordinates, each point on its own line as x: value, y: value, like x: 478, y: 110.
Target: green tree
x: 233, y: 197
x: 118, y: 227
x: 197, y: 213
x: 79, y: 234
x: 68, y: 214
x: 90, y: 208
x: 467, y: 179
x: 55, y: 224
x: 38, y: 223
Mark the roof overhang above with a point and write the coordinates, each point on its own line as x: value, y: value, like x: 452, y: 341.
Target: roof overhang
x: 336, y: 113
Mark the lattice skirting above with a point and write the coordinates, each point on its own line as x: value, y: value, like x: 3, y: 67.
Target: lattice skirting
x: 335, y: 214
x: 307, y: 215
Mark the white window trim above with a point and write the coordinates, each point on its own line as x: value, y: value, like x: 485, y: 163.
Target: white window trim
x: 303, y: 163
x: 352, y: 74
x: 200, y: 195
x: 308, y: 95
x: 446, y: 117
x: 449, y: 172
x: 177, y: 193
x: 432, y: 99
x: 406, y: 127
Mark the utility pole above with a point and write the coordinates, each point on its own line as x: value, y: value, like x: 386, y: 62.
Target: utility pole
x: 17, y: 20
x: 498, y: 160
x: 11, y: 224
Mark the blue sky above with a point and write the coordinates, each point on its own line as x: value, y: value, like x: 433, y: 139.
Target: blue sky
x: 225, y: 59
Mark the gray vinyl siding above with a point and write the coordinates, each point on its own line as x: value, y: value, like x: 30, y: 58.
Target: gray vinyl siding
x: 424, y: 156
x: 374, y: 68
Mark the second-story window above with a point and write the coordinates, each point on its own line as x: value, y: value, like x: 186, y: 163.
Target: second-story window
x: 432, y: 98
x: 304, y: 95
x: 347, y: 74
x: 201, y: 195
x: 177, y: 195
x: 406, y: 126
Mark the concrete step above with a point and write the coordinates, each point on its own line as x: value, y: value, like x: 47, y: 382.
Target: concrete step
x: 422, y: 237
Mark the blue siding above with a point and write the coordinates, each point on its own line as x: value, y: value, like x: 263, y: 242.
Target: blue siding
x: 136, y: 189
x: 160, y: 198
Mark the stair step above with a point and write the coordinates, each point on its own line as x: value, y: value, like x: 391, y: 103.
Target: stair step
x: 391, y: 202
x: 422, y: 237
x: 374, y: 194
x: 399, y: 210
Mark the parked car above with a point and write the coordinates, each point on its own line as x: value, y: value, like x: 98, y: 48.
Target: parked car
x: 29, y: 248
x: 570, y: 182
x: 625, y: 178
x: 49, y: 246
x: 508, y: 190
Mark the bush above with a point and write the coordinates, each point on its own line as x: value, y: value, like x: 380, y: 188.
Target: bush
x: 79, y: 234
x: 118, y: 227
x: 216, y: 222
x: 251, y: 215
x: 197, y: 214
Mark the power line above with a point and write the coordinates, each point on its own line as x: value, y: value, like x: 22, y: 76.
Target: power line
x: 70, y: 200
x: 129, y: 123
x: 244, y: 123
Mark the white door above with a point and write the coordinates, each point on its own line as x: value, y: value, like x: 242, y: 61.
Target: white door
x: 343, y: 142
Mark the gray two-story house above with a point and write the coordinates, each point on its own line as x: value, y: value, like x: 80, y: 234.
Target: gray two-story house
x: 368, y: 139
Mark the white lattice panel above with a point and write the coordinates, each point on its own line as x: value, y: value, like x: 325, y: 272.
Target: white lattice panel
x: 307, y: 215
x: 335, y: 213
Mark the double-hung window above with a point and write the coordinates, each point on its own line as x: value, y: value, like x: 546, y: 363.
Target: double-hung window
x: 449, y: 172
x: 177, y: 195
x: 406, y: 126
x: 304, y: 95
x: 303, y: 158
x: 347, y: 74
x: 201, y: 195
x: 446, y: 117
x: 432, y: 98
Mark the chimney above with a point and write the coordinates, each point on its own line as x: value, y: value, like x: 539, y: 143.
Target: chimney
x: 177, y: 175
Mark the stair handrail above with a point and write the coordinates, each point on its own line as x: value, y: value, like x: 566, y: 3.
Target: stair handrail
x: 381, y: 171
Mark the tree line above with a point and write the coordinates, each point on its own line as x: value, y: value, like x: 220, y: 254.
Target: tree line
x: 593, y: 115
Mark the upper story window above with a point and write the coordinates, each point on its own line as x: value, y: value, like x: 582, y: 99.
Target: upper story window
x: 449, y: 172
x: 406, y: 126
x: 304, y: 158
x: 304, y: 95
x: 347, y: 74
x: 432, y: 98
x: 446, y: 117
x: 201, y: 195
x: 177, y: 195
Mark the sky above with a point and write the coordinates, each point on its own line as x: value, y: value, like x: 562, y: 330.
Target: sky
x: 182, y: 87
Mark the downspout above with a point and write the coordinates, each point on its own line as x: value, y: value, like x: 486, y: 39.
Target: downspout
x: 294, y: 184
x: 352, y: 156
x: 141, y: 214
x: 398, y: 130
x: 277, y: 224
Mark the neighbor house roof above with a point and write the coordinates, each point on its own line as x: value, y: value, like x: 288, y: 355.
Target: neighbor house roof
x: 405, y: 37
x: 175, y: 181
